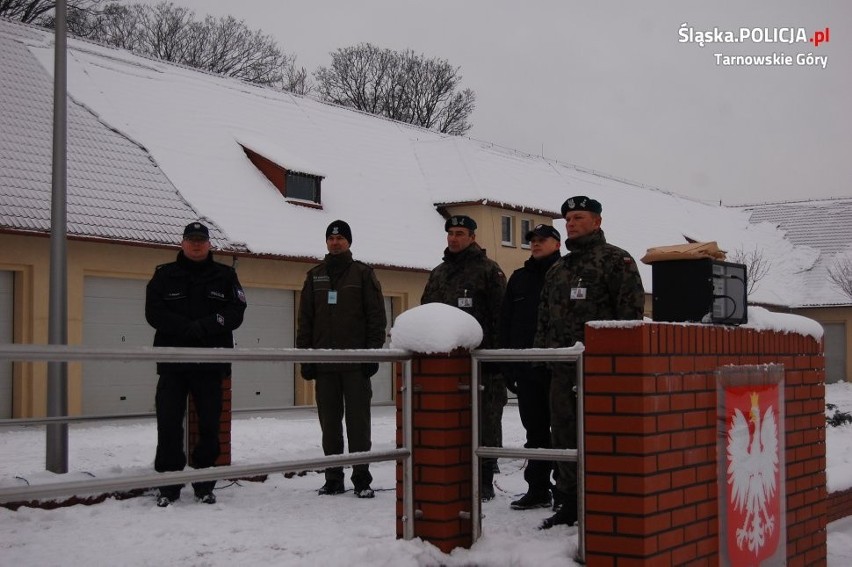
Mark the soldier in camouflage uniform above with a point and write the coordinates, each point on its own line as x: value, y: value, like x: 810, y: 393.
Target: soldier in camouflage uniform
x: 594, y: 281
x: 469, y: 280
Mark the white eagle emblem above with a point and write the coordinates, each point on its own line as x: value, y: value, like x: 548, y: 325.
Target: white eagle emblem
x: 752, y: 468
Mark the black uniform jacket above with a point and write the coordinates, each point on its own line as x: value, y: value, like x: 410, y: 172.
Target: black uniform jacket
x: 519, y: 311
x: 194, y: 304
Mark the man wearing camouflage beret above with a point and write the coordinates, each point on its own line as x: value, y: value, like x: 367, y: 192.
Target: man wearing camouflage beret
x: 594, y: 281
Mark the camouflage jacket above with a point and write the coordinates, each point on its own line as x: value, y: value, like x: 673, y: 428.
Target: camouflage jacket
x: 595, y: 281
x: 472, y: 282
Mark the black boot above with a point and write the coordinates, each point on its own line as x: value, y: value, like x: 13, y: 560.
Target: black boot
x: 486, y: 484
x: 532, y: 499
x: 566, y: 512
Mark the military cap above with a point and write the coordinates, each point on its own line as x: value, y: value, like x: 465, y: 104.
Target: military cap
x: 543, y: 230
x: 460, y: 221
x: 196, y: 229
x: 581, y: 203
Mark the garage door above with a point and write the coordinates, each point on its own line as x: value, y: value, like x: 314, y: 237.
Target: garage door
x: 268, y: 323
x: 6, y: 310
x: 114, y: 316
x: 382, y: 382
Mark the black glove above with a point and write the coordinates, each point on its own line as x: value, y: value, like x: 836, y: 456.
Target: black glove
x: 309, y: 370
x: 368, y: 369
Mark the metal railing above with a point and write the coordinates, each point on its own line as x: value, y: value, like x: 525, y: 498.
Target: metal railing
x: 67, y: 353
x: 572, y: 354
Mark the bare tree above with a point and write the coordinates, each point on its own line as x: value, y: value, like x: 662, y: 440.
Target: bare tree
x: 172, y: 33
x: 116, y: 25
x: 297, y: 80
x: 401, y: 85
x: 840, y: 273
x: 757, y: 266
x: 34, y: 11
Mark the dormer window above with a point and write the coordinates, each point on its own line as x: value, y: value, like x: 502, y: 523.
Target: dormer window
x: 298, y: 187
x: 302, y: 186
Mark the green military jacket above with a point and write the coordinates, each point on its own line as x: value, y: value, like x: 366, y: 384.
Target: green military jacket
x: 341, y: 307
x: 595, y: 281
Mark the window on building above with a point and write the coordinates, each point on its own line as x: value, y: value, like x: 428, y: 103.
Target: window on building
x: 835, y: 352
x: 507, y: 224
x: 526, y: 226
x: 302, y: 186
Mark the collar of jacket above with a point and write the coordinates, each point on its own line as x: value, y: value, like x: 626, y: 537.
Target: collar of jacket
x: 469, y: 253
x: 585, y: 242
x: 336, y: 263
x: 190, y: 265
x: 542, y: 264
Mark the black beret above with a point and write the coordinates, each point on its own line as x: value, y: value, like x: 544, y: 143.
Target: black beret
x: 462, y: 221
x: 581, y: 203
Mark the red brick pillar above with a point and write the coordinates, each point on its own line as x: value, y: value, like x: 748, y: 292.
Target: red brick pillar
x: 651, y: 431
x: 224, y: 426
x: 441, y: 452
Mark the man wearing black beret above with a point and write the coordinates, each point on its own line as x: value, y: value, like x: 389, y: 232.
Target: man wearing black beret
x: 594, y: 281
x: 474, y: 283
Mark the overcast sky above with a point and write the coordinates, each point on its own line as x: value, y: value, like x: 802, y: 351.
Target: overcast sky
x: 611, y: 87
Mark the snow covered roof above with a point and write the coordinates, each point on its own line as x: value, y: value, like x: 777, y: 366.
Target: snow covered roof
x: 115, y: 191
x: 154, y: 145
x: 825, y: 225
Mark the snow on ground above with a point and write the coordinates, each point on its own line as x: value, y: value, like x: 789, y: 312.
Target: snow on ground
x: 282, y: 521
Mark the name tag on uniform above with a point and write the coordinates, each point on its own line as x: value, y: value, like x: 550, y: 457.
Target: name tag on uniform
x: 578, y: 293
x: 332, y: 297
x: 465, y: 302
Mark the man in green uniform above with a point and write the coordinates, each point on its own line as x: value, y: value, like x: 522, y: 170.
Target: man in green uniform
x: 341, y: 306
x: 594, y: 281
x: 474, y: 283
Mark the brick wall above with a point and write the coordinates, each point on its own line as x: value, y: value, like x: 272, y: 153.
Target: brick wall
x: 839, y: 505
x: 651, y: 485
x: 441, y: 452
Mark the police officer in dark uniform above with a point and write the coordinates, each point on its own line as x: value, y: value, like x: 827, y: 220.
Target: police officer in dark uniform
x: 594, y: 281
x: 192, y: 302
x: 471, y: 281
x: 531, y: 383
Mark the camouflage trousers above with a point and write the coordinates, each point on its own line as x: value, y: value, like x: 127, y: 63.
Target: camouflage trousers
x: 563, y: 423
x: 494, y: 397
